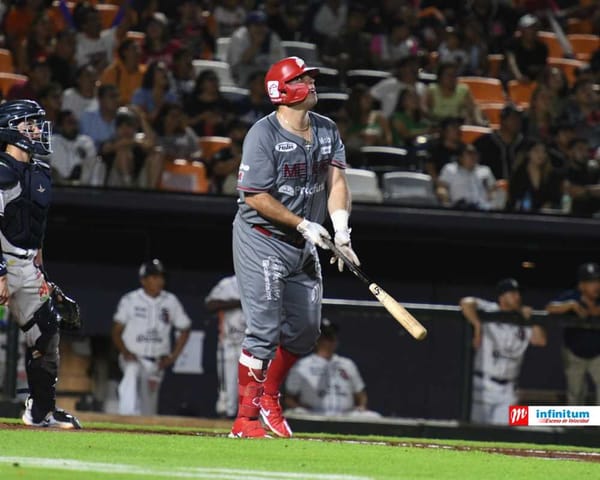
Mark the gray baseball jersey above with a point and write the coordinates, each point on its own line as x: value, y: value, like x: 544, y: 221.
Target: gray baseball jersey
x: 325, y: 386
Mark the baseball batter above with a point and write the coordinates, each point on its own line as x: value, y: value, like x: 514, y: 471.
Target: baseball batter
x: 499, y: 352
x: 291, y: 175
x: 224, y: 299
x: 141, y: 332
x: 25, y: 189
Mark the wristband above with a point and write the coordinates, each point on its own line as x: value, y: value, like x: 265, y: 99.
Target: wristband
x: 339, y: 219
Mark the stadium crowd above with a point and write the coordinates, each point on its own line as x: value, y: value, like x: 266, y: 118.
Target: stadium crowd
x: 493, y: 104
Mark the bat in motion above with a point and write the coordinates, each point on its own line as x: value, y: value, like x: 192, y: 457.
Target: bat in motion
x: 402, y: 316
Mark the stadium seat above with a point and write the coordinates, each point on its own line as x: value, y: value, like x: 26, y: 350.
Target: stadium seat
x: 492, y: 112
x: 408, y: 188
x: 7, y: 80
x: 495, y: 61
x: 108, y: 13
x: 222, y: 69
x: 222, y: 45
x: 234, y: 94
x: 305, y: 50
x: 568, y: 66
x: 212, y: 144
x: 484, y: 89
x: 584, y: 45
x: 365, y: 76
x: 382, y: 159
x: 520, y: 93
x: 580, y: 25
x: 6, y: 61
x: 328, y: 80
x: 551, y: 40
x: 139, y: 37
x: 331, y: 102
x: 184, y: 176
x: 470, y: 133
x: 363, y: 185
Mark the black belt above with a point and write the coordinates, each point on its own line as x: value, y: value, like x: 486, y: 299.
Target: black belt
x: 499, y: 381
x: 22, y: 257
x: 297, y: 241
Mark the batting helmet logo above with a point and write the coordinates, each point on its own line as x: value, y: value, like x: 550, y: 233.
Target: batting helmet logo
x: 282, y: 72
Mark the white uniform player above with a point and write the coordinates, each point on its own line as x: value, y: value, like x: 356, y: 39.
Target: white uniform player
x: 500, y: 348
x: 142, y: 333
x: 224, y: 299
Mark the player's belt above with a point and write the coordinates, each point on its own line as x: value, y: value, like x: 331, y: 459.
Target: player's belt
x: 499, y: 381
x: 294, y: 240
x: 29, y: 256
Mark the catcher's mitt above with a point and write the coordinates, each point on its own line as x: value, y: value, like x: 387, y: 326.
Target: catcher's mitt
x: 67, y: 308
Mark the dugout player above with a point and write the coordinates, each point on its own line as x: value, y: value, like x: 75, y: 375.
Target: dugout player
x: 291, y: 175
x: 499, y: 351
x: 141, y: 332
x: 25, y: 188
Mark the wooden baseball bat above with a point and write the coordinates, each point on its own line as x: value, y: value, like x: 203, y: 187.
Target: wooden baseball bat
x: 402, y: 316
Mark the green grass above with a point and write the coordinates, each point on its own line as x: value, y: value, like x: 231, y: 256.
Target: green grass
x: 168, y: 456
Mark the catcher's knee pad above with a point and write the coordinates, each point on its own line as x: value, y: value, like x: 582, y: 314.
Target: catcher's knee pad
x: 46, y: 321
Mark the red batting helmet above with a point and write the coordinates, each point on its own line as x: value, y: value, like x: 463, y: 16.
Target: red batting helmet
x: 278, y: 76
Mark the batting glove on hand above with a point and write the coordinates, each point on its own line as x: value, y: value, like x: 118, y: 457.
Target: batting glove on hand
x: 313, y: 232
x: 342, y: 242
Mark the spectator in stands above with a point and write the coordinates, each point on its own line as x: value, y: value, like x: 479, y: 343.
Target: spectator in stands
x: 499, y: 350
x: 134, y: 160
x: 583, y: 178
x: 325, y: 383
x: 99, y: 123
x: 329, y: 20
x: 39, y: 78
x: 583, y: 111
x: 446, y: 148
x: 253, y: 47
x: 94, y: 44
x: 285, y: 19
x: 538, y: 118
x: 526, y: 54
x: 229, y: 15
x: 50, y: 98
x: 451, y: 50
x: 465, y: 183
x: 448, y: 98
x: 62, y: 60
x: 183, y: 75
x: 38, y: 43
x: 18, y: 20
x: 351, y: 49
x: 581, y: 344
x: 195, y: 30
x: 74, y: 159
x: 126, y: 71
x: 154, y: 90
x: 534, y: 183
x: 405, y: 74
x: 256, y: 105
x: 476, y: 47
x: 208, y: 110
x: 158, y: 45
x: 224, y: 165
x: 498, y: 21
x: 556, y: 81
x: 561, y: 133
x: 82, y: 96
x: 408, y: 120
x: 498, y: 149
x: 175, y: 138
x: 395, y: 44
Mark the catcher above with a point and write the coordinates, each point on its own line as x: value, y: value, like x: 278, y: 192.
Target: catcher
x: 25, y: 187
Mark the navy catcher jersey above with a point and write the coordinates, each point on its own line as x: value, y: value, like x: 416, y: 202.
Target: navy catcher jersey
x: 288, y: 168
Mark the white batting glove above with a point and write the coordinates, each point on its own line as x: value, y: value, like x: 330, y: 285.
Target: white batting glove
x: 342, y: 242
x: 313, y: 232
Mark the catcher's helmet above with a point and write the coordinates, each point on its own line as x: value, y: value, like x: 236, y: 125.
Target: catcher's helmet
x: 278, y: 76
x: 33, y: 140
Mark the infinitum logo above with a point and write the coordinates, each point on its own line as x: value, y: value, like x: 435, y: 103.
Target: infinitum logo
x: 518, y: 415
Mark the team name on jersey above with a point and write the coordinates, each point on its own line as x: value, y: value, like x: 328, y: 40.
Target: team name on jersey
x: 304, y: 190
x: 286, y: 147
x: 300, y: 169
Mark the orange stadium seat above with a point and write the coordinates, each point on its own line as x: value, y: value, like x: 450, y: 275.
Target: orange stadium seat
x: 520, y: 93
x: 568, y: 66
x: 6, y: 61
x: 7, y: 80
x: 584, y: 45
x: 108, y: 13
x: 213, y: 144
x: 551, y: 41
x: 580, y: 25
x: 492, y: 113
x: 470, y: 133
x: 485, y: 89
x: 495, y: 61
x: 184, y: 176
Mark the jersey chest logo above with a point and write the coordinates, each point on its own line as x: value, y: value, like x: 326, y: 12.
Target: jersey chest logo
x: 286, y: 147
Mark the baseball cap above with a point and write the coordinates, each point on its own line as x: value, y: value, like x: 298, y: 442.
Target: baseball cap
x: 152, y: 267
x: 328, y: 329
x: 507, y: 285
x: 588, y: 271
x: 527, y: 20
